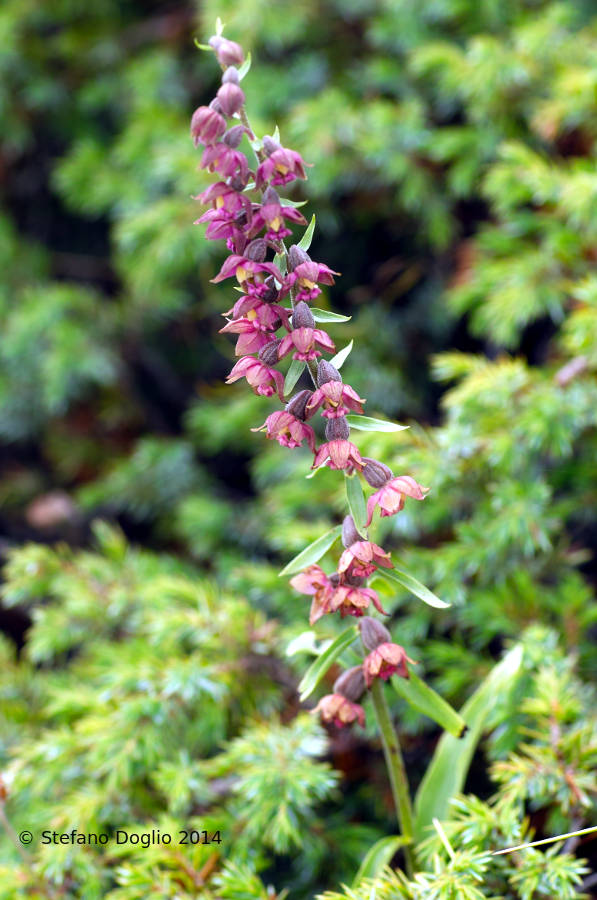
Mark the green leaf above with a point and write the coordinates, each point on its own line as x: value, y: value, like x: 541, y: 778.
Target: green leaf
x: 425, y: 700
x: 340, y: 358
x: 306, y: 642
x: 366, y: 423
x: 356, y: 502
x: 244, y: 68
x: 446, y: 774
x: 305, y: 241
x: 414, y: 586
x: 319, y: 666
x: 378, y: 856
x: 276, y: 137
x: 219, y: 26
x: 313, y: 552
x: 280, y: 262
x: 284, y: 201
x: 202, y: 46
x: 324, y: 315
x: 295, y: 370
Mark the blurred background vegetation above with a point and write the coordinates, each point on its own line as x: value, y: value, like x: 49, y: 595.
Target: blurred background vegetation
x: 455, y: 187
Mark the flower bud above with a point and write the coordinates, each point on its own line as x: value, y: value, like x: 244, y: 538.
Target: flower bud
x: 351, y: 684
x: 302, y: 317
x: 270, y: 195
x: 297, y: 405
x: 270, y: 145
x: 337, y: 429
x: 238, y: 182
x: 256, y: 250
x: 215, y: 104
x: 271, y: 291
x: 231, y: 98
x: 376, y: 473
x: 326, y: 372
x: 234, y: 136
x: 353, y: 580
x: 373, y: 633
x: 350, y: 534
x: 296, y: 256
x: 269, y: 353
x: 206, y: 125
x: 334, y: 580
x: 228, y: 53
x: 230, y: 76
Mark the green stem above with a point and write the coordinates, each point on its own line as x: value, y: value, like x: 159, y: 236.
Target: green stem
x: 396, y: 770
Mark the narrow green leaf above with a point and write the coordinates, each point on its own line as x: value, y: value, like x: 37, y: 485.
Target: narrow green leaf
x: 425, y: 700
x: 219, y: 26
x: 356, y: 502
x: 276, y: 135
x: 202, y: 46
x: 313, y: 552
x: 305, y: 241
x: 295, y: 370
x: 319, y: 666
x: 306, y: 642
x: 244, y: 68
x: 378, y: 856
x: 324, y: 315
x: 366, y: 423
x: 446, y: 774
x: 284, y: 201
x: 415, y: 587
x: 280, y: 262
x: 340, y: 358
x: 256, y: 144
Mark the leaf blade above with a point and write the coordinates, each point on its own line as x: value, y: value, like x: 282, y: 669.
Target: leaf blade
x: 319, y: 667
x: 378, y: 856
x: 425, y: 700
x: 295, y: 370
x: 356, y: 502
x: 367, y: 423
x: 313, y: 552
x: 398, y: 576
x: 340, y: 358
x: 305, y: 241
x: 325, y: 315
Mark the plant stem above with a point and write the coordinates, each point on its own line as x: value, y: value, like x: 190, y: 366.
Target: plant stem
x: 396, y: 770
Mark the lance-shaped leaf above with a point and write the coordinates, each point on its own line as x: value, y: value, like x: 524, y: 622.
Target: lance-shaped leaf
x: 319, y: 666
x: 367, y: 423
x: 378, y: 856
x: 356, y: 502
x: 296, y: 204
x: 340, y: 358
x: 324, y: 315
x: 446, y: 774
x: 313, y: 552
x: 295, y: 370
x: 425, y: 700
x: 280, y: 262
x: 305, y: 241
x: 202, y: 46
x: 245, y: 67
x: 397, y: 576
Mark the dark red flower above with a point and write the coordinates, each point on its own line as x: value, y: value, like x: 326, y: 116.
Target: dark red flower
x: 271, y: 216
x: 263, y: 379
x: 350, y: 600
x: 337, y: 709
x: 255, y: 328
x: 247, y: 270
x: 390, y: 497
x: 386, y: 660
x: 219, y: 157
x: 207, y: 125
x: 337, y: 399
x: 304, y: 340
x: 315, y: 583
x: 287, y: 430
x: 307, y: 276
x: 339, y: 455
x: 281, y: 166
x: 362, y: 558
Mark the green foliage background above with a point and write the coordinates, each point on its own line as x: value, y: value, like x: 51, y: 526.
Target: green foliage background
x: 455, y: 187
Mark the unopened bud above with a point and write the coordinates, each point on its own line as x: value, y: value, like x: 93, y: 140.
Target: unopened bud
x: 296, y: 256
x: 350, y: 534
x: 238, y: 182
x: 302, y: 317
x: 326, y: 372
x: 271, y: 196
x: 271, y: 291
x: 297, y: 405
x: 228, y: 53
x: 256, y: 250
x: 373, y: 633
x: 376, y: 473
x: 215, y: 104
x: 234, y: 136
x: 353, y: 580
x: 230, y: 76
x: 207, y: 125
x: 337, y: 429
x: 351, y: 684
x: 231, y: 98
x: 269, y: 353
x: 270, y: 145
